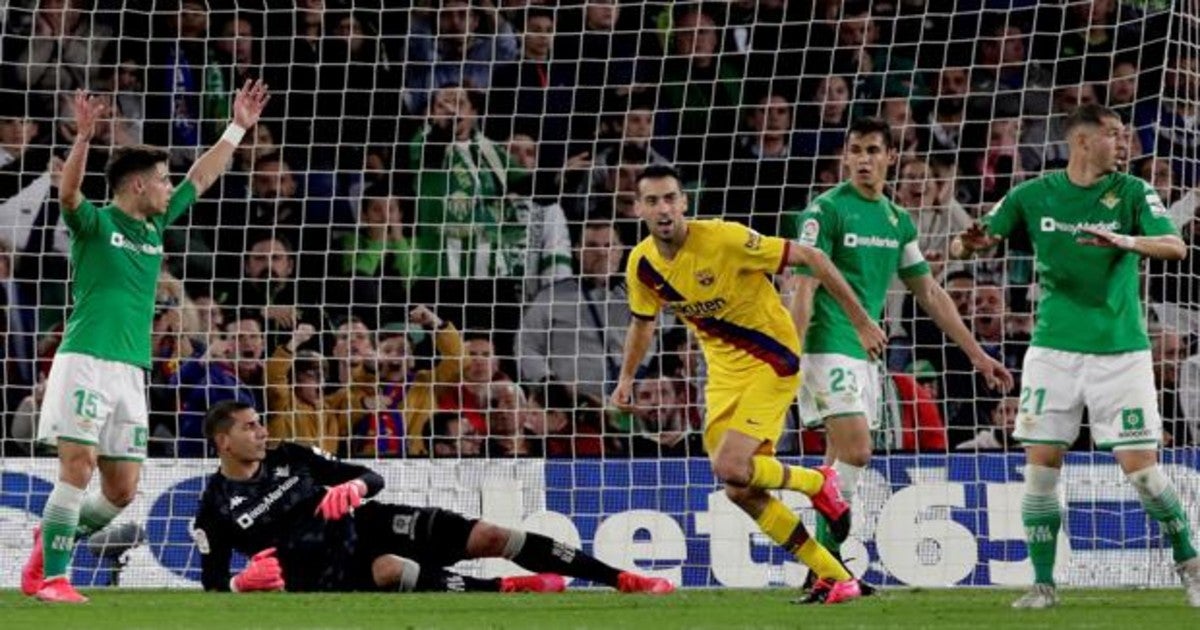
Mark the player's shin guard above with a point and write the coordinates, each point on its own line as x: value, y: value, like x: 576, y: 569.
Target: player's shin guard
x: 1041, y: 515
x: 784, y: 527
x: 1162, y: 504
x: 848, y: 476
x: 95, y: 513
x: 542, y: 554
x: 59, y: 521
x: 771, y: 474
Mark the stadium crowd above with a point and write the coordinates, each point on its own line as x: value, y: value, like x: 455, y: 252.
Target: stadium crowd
x: 420, y: 251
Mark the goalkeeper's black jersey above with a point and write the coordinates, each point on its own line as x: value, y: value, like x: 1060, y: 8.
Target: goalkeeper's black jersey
x: 277, y: 508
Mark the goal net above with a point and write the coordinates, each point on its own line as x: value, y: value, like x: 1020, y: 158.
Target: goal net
x: 478, y: 160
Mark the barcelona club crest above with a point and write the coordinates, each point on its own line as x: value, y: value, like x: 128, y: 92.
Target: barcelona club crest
x: 705, y: 277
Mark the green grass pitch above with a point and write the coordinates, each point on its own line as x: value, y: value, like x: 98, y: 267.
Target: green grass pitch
x: 977, y: 609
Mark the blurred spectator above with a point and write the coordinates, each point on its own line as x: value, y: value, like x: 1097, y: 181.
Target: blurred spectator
x: 230, y: 368
x: 505, y: 436
x: 268, y: 289
x: 453, y: 436
x: 457, y: 44
x: 352, y: 350
x: 921, y: 428
x: 400, y: 397
x: 1012, y: 84
x: 627, y: 127
x: 660, y: 422
x: 926, y: 190
x: 472, y: 245
x: 235, y: 61
x: 372, y: 266
x: 564, y: 427
x: 1123, y: 89
x: 701, y: 89
x: 1168, y: 127
x: 24, y: 172
x: 466, y: 395
x: 825, y: 119
x: 66, y: 49
x: 277, y: 208
x: 996, y: 435
x: 297, y: 410
x: 946, y: 119
x: 1167, y: 351
x: 176, y: 79
x: 613, y: 199
x: 1091, y: 35
x: 573, y: 331
x: 899, y: 116
x: 765, y: 175
x: 540, y: 230
x: 1049, y: 136
x: 535, y: 92
x: 1178, y: 282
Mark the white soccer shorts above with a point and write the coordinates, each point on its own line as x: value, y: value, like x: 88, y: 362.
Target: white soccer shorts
x: 96, y: 402
x: 835, y: 385
x: 1117, y: 390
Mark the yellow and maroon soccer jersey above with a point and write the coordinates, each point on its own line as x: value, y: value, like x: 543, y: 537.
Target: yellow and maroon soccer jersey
x: 719, y: 284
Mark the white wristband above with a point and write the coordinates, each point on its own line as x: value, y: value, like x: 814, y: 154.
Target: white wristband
x: 233, y: 585
x: 233, y: 134
x: 1125, y: 242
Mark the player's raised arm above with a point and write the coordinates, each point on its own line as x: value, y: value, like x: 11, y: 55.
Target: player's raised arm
x: 940, y: 307
x: 248, y: 105
x: 88, y: 109
x: 872, y: 336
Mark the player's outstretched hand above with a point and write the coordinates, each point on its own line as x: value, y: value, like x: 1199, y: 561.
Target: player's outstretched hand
x: 873, y: 339
x: 342, y: 499
x: 262, y: 574
x: 622, y: 396
x: 1105, y: 238
x: 975, y: 238
x: 88, y: 110
x: 249, y: 102
x: 994, y: 373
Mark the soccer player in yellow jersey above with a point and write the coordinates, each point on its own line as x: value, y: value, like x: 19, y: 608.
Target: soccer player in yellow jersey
x: 716, y: 276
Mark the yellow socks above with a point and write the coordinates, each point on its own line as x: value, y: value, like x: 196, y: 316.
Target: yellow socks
x: 771, y: 474
x: 784, y: 527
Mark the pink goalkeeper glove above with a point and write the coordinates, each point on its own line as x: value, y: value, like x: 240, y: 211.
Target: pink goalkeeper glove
x: 262, y: 574
x: 342, y: 499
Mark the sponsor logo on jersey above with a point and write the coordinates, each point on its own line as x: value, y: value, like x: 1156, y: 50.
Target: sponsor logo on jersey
x: 245, y: 521
x: 854, y: 240
x: 809, y: 232
x: 1110, y: 200
x: 1050, y: 224
x: 1157, y: 208
x: 201, y: 540
x: 754, y: 242
x: 236, y: 501
x: 118, y: 240
x: 698, y: 309
x: 281, y: 471
x: 705, y: 277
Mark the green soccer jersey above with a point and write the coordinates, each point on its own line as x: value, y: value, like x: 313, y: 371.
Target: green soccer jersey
x: 1089, y: 299
x: 869, y: 241
x: 115, y: 262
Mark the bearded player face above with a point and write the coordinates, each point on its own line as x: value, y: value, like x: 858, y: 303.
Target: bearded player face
x: 1107, y: 144
x: 662, y: 205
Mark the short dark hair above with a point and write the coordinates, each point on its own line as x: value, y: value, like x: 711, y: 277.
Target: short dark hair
x: 131, y: 160
x: 1090, y: 114
x: 868, y: 125
x: 220, y: 416
x: 658, y: 171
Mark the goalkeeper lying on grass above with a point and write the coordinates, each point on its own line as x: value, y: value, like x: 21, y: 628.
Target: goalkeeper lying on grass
x: 300, y: 514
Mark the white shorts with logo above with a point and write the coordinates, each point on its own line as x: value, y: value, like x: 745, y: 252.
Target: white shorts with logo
x: 836, y: 385
x: 1117, y: 390
x: 96, y: 402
